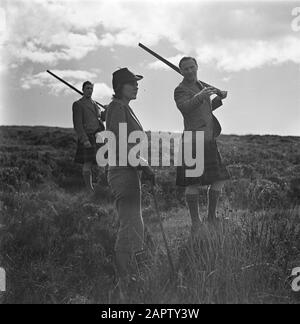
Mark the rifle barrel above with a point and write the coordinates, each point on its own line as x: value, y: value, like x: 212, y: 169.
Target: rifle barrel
x: 171, y: 65
x: 70, y: 86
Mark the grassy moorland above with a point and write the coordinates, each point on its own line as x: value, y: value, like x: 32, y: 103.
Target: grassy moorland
x: 57, y: 245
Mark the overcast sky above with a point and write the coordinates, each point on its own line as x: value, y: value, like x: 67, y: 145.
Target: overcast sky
x: 249, y: 48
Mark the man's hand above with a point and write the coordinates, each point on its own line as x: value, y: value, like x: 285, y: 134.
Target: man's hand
x: 207, y: 92
x: 148, y: 174
x: 87, y: 144
x: 222, y: 94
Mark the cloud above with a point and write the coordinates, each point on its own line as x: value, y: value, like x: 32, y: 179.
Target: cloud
x: 102, y: 91
x: 71, y: 46
x: 237, y: 36
x: 158, y: 65
x: 2, y: 37
x: 44, y: 78
x: 51, y: 31
x: 227, y: 78
x: 74, y: 77
x: 48, y: 31
x: 2, y: 22
x: 223, y: 32
x: 246, y: 55
x: 237, y: 55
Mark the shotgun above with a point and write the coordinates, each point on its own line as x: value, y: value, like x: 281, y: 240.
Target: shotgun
x: 72, y: 87
x: 171, y: 65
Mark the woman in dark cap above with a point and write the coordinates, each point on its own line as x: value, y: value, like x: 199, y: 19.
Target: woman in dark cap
x: 125, y: 180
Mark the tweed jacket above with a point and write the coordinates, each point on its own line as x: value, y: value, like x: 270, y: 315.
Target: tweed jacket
x: 118, y: 112
x: 197, y: 114
x: 86, y: 118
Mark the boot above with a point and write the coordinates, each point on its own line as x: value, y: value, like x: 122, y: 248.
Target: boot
x: 193, y: 205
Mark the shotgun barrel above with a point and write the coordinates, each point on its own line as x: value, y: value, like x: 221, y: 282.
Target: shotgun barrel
x: 171, y: 65
x: 72, y: 87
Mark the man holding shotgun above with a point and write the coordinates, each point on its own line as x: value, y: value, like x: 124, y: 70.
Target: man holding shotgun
x: 193, y: 100
x: 87, y: 122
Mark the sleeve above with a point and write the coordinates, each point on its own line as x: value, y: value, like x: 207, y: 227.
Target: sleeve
x: 216, y: 103
x: 185, y: 103
x: 115, y: 115
x: 78, y: 123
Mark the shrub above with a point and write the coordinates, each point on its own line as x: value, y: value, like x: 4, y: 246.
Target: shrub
x: 54, y: 244
x: 256, y: 194
x: 10, y: 176
x: 295, y: 189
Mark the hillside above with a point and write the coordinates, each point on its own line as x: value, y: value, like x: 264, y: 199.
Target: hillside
x: 57, y: 245
x: 36, y: 155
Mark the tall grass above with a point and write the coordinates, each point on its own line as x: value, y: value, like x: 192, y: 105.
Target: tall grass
x: 58, y: 248
x: 57, y: 245
x: 245, y: 260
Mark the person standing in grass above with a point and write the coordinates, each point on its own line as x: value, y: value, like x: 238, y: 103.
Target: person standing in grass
x: 125, y: 181
x: 87, y: 121
x: 194, y: 102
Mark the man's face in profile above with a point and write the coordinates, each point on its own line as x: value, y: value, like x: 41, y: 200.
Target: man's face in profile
x: 189, y: 70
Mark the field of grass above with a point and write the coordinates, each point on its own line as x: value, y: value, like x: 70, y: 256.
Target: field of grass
x: 57, y: 245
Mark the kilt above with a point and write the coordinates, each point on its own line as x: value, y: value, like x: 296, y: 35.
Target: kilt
x: 214, y: 170
x: 83, y: 154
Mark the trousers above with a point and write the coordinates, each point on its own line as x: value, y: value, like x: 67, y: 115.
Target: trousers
x: 125, y: 185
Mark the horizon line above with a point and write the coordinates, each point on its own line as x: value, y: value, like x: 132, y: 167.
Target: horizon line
x: 157, y: 131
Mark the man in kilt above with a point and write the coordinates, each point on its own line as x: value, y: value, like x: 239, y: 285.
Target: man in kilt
x: 87, y: 122
x: 193, y: 101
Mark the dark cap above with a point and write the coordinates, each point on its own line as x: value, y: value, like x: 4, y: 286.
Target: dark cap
x: 124, y: 76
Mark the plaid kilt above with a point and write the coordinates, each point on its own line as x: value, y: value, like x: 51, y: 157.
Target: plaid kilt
x: 83, y: 154
x: 214, y: 170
